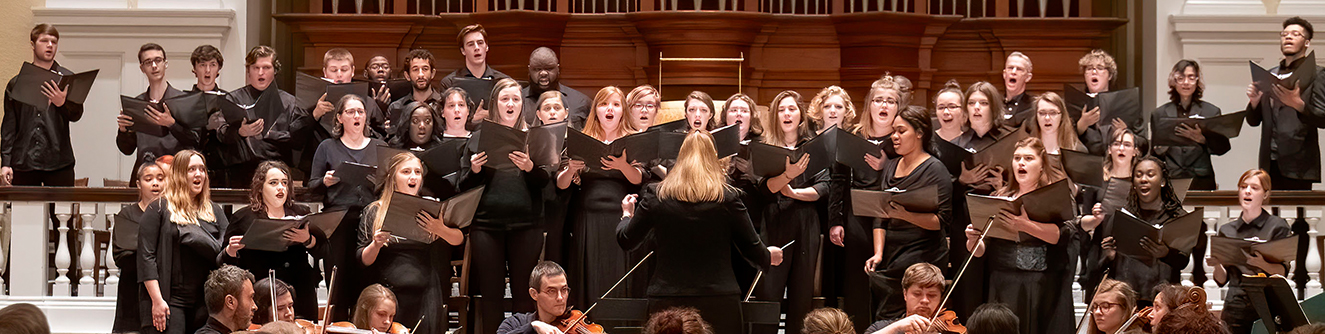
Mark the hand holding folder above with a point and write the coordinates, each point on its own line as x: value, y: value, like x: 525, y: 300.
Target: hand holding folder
x: 877, y: 204
x: 1052, y: 203
x: 32, y: 80
x: 1180, y: 233
x: 637, y: 147
x: 1234, y: 251
x: 402, y: 217
x: 269, y: 234
x: 1166, y: 133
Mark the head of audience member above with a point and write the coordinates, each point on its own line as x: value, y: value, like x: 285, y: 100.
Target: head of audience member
x: 376, y: 309
x: 950, y: 106
x: 351, y: 117
x: 677, y: 320
x: 206, y: 61
x: 922, y: 288
x: 261, y: 66
x: 338, y: 65
x: 1294, y: 40
x: 421, y: 125
x: 606, y: 120
x: 281, y: 327
x: 152, y: 61
x: 904, y: 87
x: 551, y: 107
x: 1185, y: 82
x: 549, y: 288
x: 1316, y: 328
x: 786, y: 123
x: 377, y: 69
x: 827, y: 321
x: 1113, y: 304
x: 419, y: 69
x: 45, y: 41
x: 984, y: 106
x: 1173, y: 297
x: 229, y: 295
x: 24, y: 318
x: 699, y: 111
x: 455, y: 111
x: 151, y: 181
x: 544, y: 69
x: 473, y: 40
x: 643, y: 102
x: 506, y: 104
x: 264, y: 292
x: 912, y: 133
x: 1253, y: 191
x: 1099, y: 70
x: 741, y: 109
x: 993, y: 318
x: 1016, y: 73
x: 271, y: 188
x: 1052, y: 123
x: 832, y: 107
x: 188, y: 189
x: 882, y: 104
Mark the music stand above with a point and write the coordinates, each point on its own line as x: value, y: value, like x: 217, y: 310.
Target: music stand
x: 1274, y: 302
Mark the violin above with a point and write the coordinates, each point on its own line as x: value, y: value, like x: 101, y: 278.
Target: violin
x: 346, y: 327
x: 308, y: 326
x: 1144, y: 316
x: 574, y: 322
x: 946, y: 323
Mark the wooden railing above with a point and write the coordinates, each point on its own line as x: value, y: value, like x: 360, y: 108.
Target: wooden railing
x: 964, y: 8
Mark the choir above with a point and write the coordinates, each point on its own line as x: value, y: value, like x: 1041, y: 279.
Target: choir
x: 981, y: 204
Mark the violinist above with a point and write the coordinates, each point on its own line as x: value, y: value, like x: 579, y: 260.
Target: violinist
x: 922, y: 289
x: 548, y: 288
x: 263, y: 292
x: 828, y: 321
x: 1182, y: 309
x: 992, y: 318
x: 1114, y: 303
x: 229, y: 295
x: 375, y: 311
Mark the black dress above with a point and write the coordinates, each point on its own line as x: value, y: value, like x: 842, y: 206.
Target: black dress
x: 343, y: 196
x: 905, y: 243
x: 1238, y: 312
x: 1191, y: 161
x: 692, y: 242
x: 291, y: 266
x: 969, y: 292
x: 126, y: 298
x: 418, y: 273
x: 596, y: 260
x: 858, y: 240
x: 179, y: 257
x: 1034, y: 278
x: 787, y: 219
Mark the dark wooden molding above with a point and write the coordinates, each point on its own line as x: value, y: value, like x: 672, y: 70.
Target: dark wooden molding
x: 111, y: 195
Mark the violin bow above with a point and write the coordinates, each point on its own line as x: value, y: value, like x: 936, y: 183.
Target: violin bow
x: 978, y: 243
x: 1081, y: 323
x: 271, y: 275
x: 761, y: 274
x: 416, y: 325
x: 326, y: 314
x: 609, y: 291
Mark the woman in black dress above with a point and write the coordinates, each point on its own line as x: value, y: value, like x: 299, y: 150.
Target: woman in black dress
x: 551, y: 109
x: 910, y: 236
x: 507, y: 229
x: 179, y: 239
x: 1032, y: 276
x: 269, y: 198
x: 151, y: 181
x: 596, y: 260
x: 694, y: 219
x: 832, y: 107
x: 740, y: 110
x: 349, y: 144
x: 416, y: 270
x: 984, y: 110
x: 1185, y: 90
x: 1152, y: 200
x: 790, y: 213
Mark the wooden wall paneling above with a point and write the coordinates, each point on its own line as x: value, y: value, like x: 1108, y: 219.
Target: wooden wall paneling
x: 875, y: 43
x: 1053, y: 44
x: 969, y: 56
x: 363, y: 35
x: 602, y: 50
x: 802, y: 52
x: 697, y: 34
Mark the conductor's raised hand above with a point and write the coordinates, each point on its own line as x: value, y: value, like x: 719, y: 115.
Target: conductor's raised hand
x: 628, y: 205
x: 775, y: 255
x: 477, y: 161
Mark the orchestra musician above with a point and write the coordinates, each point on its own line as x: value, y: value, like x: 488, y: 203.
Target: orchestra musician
x: 179, y: 239
x: 414, y: 269
x: 375, y: 310
x: 922, y: 291
x: 1114, y: 302
x: 1254, y: 221
x: 273, y: 296
x: 269, y: 198
x: 150, y: 182
x: 692, y: 219
x: 229, y: 297
x: 550, y: 292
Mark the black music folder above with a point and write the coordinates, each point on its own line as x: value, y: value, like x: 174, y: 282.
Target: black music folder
x: 324, y: 224
x: 398, y: 87
x: 444, y: 158
x: 1234, y: 251
x: 499, y: 140
x: 234, y: 114
x: 768, y: 160
x: 1165, y: 131
x: 1275, y: 303
x: 269, y: 234
x: 1181, y: 233
x: 727, y: 140
x: 546, y: 142
x: 998, y: 153
x: 1077, y: 101
x: 126, y: 230
x: 31, y: 78
x: 457, y: 212
x: 1116, y: 191
x: 851, y: 150
x: 1082, y: 167
x: 639, y: 147
x: 479, y: 90
x: 1265, y: 81
x: 1050, y: 203
x: 137, y: 109
x: 268, y: 107
x: 1124, y: 104
x: 873, y: 203
x: 308, y: 89
x: 192, y: 108
x: 353, y: 174
x: 952, y: 155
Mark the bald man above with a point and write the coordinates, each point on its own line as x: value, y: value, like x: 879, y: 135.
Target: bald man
x: 545, y: 75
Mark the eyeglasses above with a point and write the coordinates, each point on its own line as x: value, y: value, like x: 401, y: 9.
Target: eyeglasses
x: 1294, y: 33
x: 1097, y: 69
x: 881, y: 101
x: 1103, y: 306
x: 1123, y: 144
x: 1049, y: 113
x: 1185, y: 78
x: 153, y: 61
x: 644, y: 106
x: 379, y: 66
x: 949, y: 107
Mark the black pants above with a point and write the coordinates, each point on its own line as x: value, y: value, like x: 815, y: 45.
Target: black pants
x: 63, y: 177
x: 858, y: 302
x: 722, y: 312
x: 1277, y: 179
x: 795, y: 275
x: 183, y: 320
x: 1238, y: 313
x: 351, y: 276
x: 494, y: 253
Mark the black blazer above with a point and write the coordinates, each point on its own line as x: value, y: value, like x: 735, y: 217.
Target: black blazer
x: 158, y: 243
x: 1190, y: 161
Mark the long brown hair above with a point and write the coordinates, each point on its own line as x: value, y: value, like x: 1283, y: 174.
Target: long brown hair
x: 255, y: 201
x: 995, y: 102
x: 1067, y: 131
x: 774, y: 135
x: 1048, y: 173
x: 185, y: 208
x: 368, y: 300
x: 756, y: 126
x: 495, y: 116
x: 698, y: 176
x: 595, y: 129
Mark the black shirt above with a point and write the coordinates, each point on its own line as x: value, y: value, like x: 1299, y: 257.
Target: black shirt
x: 907, y: 243
x: 346, y: 193
x: 1289, y: 136
x: 576, y: 103
x: 39, y: 135
x: 1018, y: 109
x: 213, y: 327
x: 518, y: 323
x: 1265, y: 227
x: 1186, y: 162
x: 277, y: 144
x: 512, y: 199
x: 150, y: 147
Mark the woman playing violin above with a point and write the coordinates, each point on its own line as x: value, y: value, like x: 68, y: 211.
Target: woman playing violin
x: 263, y: 292
x: 1110, y: 310
x: 375, y: 311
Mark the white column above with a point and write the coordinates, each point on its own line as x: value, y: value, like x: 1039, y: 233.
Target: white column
x: 29, y: 224
x: 63, y: 259
x: 112, y: 271
x: 4, y: 243
x: 87, y: 258
x: 1313, y: 255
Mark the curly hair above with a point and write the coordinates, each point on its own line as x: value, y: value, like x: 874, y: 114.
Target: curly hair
x: 677, y: 320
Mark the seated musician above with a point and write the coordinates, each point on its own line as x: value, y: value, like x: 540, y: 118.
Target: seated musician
x: 677, y: 320
x: 263, y: 292
x: 992, y: 318
x: 229, y: 295
x: 375, y: 311
x: 1112, y: 305
x: 1182, y: 309
x: 922, y: 288
x: 548, y: 288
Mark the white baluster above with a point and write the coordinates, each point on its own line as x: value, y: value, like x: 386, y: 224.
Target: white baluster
x: 4, y: 245
x: 62, y: 257
x: 1313, y: 257
x: 87, y: 258
x: 1212, y: 290
x: 112, y: 281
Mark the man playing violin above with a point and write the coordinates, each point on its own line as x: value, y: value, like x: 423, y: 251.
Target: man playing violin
x: 229, y: 295
x: 548, y: 288
x: 922, y: 288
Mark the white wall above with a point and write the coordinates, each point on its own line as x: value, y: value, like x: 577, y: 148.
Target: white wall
x: 106, y: 34
x: 1222, y: 35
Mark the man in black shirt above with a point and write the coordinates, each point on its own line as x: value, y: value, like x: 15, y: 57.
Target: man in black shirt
x: 922, y: 288
x: 229, y: 296
x: 1290, y: 146
x: 35, y: 148
x: 243, y: 146
x: 545, y: 75
x: 419, y: 69
x: 378, y: 69
x: 152, y: 61
x: 1016, y: 74
x: 473, y: 41
x: 547, y: 285
x: 207, y: 61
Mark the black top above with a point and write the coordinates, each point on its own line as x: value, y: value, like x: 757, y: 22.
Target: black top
x: 577, y: 105
x: 277, y: 144
x: 398, y: 116
x: 150, y: 147
x: 292, y: 264
x: 343, y: 194
x: 1186, y: 162
x: 513, y: 199
x: 1019, y: 108
x: 213, y: 327
x: 1033, y: 254
x: 1140, y: 274
x: 1289, y: 136
x: 693, y: 242
x: 40, y: 135
x: 1266, y: 227
x: 518, y: 323
x: 905, y: 243
x: 489, y: 73
x: 178, y: 257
